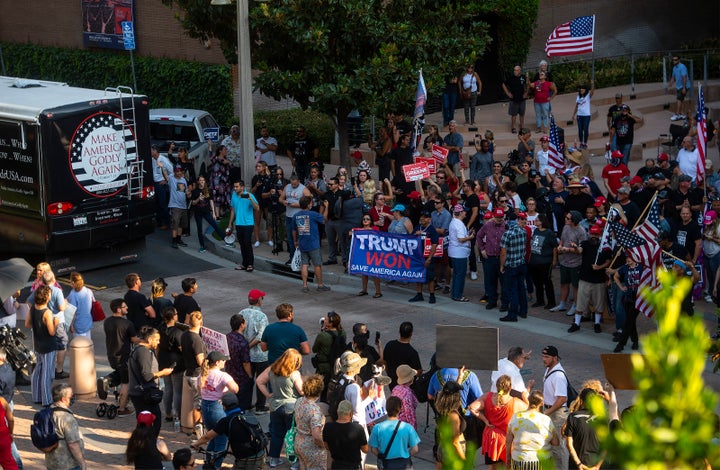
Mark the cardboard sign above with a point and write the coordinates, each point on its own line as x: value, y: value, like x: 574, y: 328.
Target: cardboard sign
x: 463, y: 165
x: 416, y: 171
x: 375, y: 411
x: 430, y: 162
x: 439, y: 153
x: 618, y: 371
x: 472, y: 346
x: 214, y: 340
x: 427, y: 244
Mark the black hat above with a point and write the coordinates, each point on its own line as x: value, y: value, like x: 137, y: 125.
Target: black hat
x: 426, y: 214
x: 451, y: 387
x: 551, y: 351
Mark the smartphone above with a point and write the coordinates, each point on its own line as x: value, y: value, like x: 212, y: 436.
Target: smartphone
x: 377, y: 337
x: 245, y: 195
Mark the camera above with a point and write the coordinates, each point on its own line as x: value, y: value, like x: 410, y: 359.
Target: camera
x: 275, y: 206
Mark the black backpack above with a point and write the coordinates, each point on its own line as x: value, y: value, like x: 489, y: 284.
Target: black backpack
x: 421, y: 384
x: 337, y: 347
x: 42, y: 431
x: 572, y: 393
x: 253, y: 439
x: 336, y: 393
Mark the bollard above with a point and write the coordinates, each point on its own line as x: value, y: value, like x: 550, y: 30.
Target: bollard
x: 187, y: 422
x: 82, y: 366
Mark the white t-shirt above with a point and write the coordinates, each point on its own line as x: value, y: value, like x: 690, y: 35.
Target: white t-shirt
x: 269, y: 156
x: 554, y: 385
x: 509, y: 368
x: 456, y: 248
x: 687, y: 161
x: 583, y: 105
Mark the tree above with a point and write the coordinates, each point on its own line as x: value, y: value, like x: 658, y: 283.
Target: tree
x: 672, y: 424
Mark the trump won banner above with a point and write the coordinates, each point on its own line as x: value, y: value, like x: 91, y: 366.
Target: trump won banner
x: 387, y: 256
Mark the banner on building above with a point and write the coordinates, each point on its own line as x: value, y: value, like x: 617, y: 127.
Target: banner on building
x: 102, y: 22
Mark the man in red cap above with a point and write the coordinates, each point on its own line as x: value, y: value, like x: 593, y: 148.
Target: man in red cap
x: 488, y: 242
x: 613, y: 174
x: 591, y: 288
x: 256, y: 321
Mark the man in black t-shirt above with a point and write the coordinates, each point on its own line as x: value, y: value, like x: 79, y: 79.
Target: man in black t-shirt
x: 688, y: 234
x: 345, y: 439
x: 591, y: 288
x: 665, y: 240
x: 472, y: 220
x: 193, y: 351
x: 119, y: 333
x: 185, y: 303
x: 399, y: 351
x: 140, y: 311
x: 515, y: 87
x: 302, y: 152
x: 331, y: 206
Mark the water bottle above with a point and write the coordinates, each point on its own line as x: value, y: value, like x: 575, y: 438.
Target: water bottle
x: 177, y: 424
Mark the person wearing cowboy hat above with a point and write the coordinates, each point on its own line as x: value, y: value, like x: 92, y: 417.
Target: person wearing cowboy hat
x: 574, y: 156
x: 578, y: 200
x: 613, y: 173
x: 355, y: 393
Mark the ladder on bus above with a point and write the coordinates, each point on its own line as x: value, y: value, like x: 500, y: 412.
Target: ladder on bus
x: 127, y: 126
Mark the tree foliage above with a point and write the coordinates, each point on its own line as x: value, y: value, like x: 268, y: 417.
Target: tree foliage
x: 672, y: 424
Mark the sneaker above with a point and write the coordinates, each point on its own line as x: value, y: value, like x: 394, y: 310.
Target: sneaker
x: 181, y: 243
x: 229, y: 245
x: 102, y: 388
x: 508, y: 318
x: 559, y: 307
x: 256, y: 244
x: 473, y: 276
x: 571, y: 312
x: 618, y: 348
x: 61, y: 375
x: 202, y: 250
x: 125, y: 412
x: 270, y: 243
x: 432, y: 298
x: 708, y: 299
x: 261, y: 410
x: 417, y: 298
x: 635, y: 346
x: 677, y: 117
x: 323, y: 288
x: 597, y: 328
x: 305, y: 290
x: 573, y: 328
x: 275, y: 462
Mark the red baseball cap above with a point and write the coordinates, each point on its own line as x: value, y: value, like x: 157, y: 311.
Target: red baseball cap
x: 663, y: 157
x: 414, y: 195
x: 595, y: 230
x: 497, y: 212
x: 616, y: 154
x: 487, y: 216
x: 600, y: 201
x: 256, y: 294
x: 636, y: 180
x: 145, y: 418
x: 522, y: 215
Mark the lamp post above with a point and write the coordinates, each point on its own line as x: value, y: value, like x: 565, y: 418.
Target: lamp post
x: 244, y: 94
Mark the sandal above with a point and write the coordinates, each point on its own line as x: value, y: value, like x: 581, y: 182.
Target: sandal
x: 240, y: 268
x: 377, y: 296
x: 249, y: 269
x: 362, y: 293
x: 462, y: 299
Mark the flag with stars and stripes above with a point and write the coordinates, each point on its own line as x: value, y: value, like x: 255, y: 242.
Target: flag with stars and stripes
x: 573, y: 37
x: 701, y: 135
x: 647, y: 279
x: 419, y: 114
x: 606, y: 241
x: 555, y: 156
x: 644, y: 251
x: 650, y: 228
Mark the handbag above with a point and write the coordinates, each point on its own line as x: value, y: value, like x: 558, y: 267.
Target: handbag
x: 152, y: 395
x: 96, y: 310
x: 467, y: 93
x: 290, y: 442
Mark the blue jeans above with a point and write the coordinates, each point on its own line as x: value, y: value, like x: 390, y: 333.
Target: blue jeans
x: 288, y: 232
x: 515, y: 282
x: 583, y: 123
x: 491, y: 276
x: 162, y: 198
x: 212, y: 412
x: 625, y: 150
x: 449, y: 102
x: 210, y: 217
x: 459, y: 270
x: 280, y: 423
x: 542, y: 115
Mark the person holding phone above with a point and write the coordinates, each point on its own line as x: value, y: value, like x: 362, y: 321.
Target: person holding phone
x: 242, y: 213
x: 459, y: 251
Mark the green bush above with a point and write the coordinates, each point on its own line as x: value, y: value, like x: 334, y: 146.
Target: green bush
x: 283, y: 126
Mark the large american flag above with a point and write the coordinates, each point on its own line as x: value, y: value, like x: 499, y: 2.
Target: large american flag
x: 555, y: 157
x: 701, y: 134
x: 419, y: 114
x: 647, y: 279
x: 574, y: 37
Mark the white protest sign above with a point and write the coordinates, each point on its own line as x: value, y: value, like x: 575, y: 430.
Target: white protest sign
x: 214, y: 340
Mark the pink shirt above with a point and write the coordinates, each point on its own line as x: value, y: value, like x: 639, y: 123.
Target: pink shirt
x: 214, y: 387
x: 409, y: 401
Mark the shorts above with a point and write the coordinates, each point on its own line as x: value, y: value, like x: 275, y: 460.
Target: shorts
x: 314, y: 256
x: 680, y: 95
x: 569, y: 275
x: 515, y: 108
x: 61, y: 337
x: 430, y: 270
x: 119, y: 376
x: 590, y: 293
x: 193, y: 384
x: 178, y: 218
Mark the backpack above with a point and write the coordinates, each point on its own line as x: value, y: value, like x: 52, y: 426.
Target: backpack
x: 422, y: 383
x: 253, y: 439
x: 572, y: 393
x: 336, y: 393
x: 42, y: 431
x: 337, y: 347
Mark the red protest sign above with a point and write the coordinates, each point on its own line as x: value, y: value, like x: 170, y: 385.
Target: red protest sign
x: 416, y: 171
x: 430, y: 162
x: 439, y: 153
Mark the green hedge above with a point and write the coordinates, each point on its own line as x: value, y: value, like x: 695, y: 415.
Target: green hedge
x: 283, y: 126
x: 167, y: 82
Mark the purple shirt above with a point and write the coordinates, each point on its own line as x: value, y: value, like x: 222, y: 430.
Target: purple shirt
x: 239, y: 354
x: 489, y: 236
